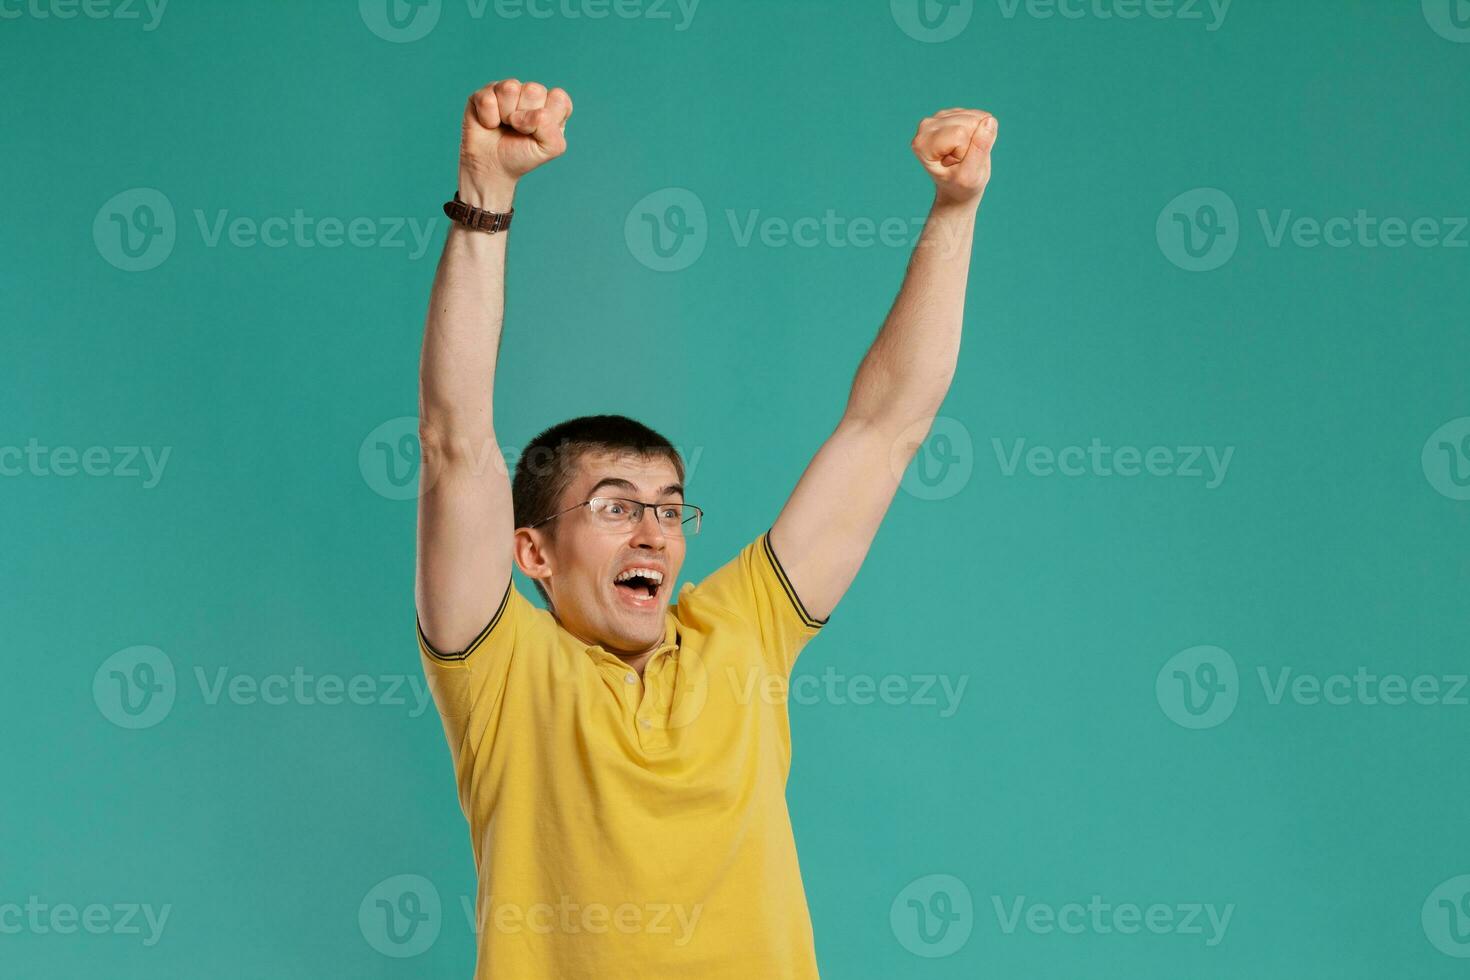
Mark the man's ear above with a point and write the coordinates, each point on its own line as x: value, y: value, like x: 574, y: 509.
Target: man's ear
x: 533, y: 554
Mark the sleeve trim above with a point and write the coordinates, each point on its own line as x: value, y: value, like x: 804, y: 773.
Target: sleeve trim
x: 474, y: 644
x: 807, y: 618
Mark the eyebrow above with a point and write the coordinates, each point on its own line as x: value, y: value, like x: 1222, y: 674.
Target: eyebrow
x: 612, y: 481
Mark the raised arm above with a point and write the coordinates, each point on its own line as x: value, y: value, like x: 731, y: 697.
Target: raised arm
x: 823, y: 533
x: 466, y: 520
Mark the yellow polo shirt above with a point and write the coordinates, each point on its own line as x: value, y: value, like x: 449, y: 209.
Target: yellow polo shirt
x: 628, y: 827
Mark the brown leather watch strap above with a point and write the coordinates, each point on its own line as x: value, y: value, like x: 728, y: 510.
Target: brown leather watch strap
x: 475, y: 218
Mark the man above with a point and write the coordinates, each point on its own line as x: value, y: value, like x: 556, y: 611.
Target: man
x: 621, y: 768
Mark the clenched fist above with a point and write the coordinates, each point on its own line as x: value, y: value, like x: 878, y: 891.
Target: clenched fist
x: 510, y: 129
x: 954, y: 146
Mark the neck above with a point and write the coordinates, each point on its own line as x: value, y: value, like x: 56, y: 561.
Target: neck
x: 635, y: 659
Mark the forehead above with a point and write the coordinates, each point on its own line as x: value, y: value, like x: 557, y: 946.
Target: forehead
x: 649, y: 474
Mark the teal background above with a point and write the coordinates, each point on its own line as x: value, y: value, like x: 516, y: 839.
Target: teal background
x: 265, y: 549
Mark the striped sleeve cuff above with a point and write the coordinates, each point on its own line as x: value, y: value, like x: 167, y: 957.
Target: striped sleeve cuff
x: 810, y: 621
x: 463, y: 655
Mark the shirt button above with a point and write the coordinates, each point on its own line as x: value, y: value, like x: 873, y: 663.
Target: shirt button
x: 631, y: 678
x: 645, y: 722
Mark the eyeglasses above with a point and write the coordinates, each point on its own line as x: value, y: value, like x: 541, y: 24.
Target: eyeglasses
x: 622, y: 514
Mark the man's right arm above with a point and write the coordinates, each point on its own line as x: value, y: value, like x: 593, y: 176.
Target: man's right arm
x: 466, y: 518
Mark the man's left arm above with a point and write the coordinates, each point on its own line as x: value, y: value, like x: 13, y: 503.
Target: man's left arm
x: 823, y: 533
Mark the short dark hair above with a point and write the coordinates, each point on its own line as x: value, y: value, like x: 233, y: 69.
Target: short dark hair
x: 547, y: 466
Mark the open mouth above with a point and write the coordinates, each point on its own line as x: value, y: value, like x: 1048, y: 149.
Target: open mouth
x: 640, y: 586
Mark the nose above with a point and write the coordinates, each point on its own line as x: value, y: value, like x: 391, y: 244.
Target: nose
x: 648, y: 532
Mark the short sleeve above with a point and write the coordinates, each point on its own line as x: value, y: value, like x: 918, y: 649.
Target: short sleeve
x: 754, y: 587
x: 467, y: 683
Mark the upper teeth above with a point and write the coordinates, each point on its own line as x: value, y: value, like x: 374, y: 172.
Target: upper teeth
x: 652, y: 574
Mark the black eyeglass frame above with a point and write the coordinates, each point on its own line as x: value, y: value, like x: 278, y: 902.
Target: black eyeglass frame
x: 638, y: 519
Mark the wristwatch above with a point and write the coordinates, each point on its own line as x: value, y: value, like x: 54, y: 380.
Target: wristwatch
x: 476, y: 218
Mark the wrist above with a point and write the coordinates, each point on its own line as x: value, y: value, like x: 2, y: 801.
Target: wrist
x: 487, y: 195
x: 945, y: 205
